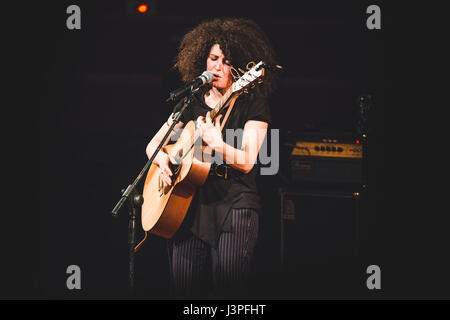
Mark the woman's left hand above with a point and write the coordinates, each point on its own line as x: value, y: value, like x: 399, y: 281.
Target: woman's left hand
x: 210, y: 132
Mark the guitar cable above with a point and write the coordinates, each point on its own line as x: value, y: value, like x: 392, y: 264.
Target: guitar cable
x: 140, y: 243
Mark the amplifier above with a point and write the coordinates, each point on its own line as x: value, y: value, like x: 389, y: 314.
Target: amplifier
x: 327, y: 148
x: 326, y: 161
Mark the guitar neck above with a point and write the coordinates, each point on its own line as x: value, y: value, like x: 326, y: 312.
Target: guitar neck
x: 214, y: 112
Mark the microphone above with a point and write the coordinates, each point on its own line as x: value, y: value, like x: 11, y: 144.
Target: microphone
x: 205, y: 77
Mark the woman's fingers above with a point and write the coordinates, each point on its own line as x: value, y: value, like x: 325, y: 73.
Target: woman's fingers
x: 217, y: 121
x: 173, y: 161
x: 199, y: 124
x: 165, y: 174
x: 165, y: 178
x: 208, y: 119
x: 168, y: 172
x: 200, y: 121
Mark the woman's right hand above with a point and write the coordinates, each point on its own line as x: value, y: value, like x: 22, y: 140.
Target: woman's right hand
x: 162, y: 161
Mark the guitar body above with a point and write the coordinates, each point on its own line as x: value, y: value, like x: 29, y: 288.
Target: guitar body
x: 164, y: 209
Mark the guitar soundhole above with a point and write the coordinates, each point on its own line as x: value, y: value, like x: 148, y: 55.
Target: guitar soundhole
x: 175, y: 168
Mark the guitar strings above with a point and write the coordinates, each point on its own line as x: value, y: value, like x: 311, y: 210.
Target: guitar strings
x: 214, y: 112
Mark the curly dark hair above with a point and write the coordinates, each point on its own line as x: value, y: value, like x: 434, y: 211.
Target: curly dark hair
x: 240, y: 40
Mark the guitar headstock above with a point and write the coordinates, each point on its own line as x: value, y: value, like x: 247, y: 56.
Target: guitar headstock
x: 250, y: 78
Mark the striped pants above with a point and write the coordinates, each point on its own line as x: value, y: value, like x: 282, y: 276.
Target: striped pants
x: 200, y: 271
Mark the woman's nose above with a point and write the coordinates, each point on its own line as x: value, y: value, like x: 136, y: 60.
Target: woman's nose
x: 218, y: 65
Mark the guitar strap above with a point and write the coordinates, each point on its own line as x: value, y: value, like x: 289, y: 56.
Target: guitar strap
x: 225, y: 118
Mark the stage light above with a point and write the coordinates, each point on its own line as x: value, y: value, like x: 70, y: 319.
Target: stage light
x: 142, y: 8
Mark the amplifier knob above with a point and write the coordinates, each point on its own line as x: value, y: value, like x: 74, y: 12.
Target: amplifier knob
x: 316, y: 148
x: 322, y: 148
x: 339, y: 149
x: 333, y: 148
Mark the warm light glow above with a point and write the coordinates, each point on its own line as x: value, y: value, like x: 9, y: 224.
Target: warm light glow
x: 142, y: 8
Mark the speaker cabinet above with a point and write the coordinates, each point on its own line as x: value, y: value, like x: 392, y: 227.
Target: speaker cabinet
x: 319, y: 235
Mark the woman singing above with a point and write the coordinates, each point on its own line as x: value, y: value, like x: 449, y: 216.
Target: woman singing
x: 211, y: 253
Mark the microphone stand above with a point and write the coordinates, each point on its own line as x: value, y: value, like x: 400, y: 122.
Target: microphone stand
x: 136, y: 200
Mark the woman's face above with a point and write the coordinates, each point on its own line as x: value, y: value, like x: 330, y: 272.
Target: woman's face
x: 220, y: 68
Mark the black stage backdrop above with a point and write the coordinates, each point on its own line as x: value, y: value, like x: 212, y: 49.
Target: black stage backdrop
x: 101, y: 96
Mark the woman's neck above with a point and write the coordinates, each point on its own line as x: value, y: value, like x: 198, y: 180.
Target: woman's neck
x: 218, y: 92
x: 214, y: 95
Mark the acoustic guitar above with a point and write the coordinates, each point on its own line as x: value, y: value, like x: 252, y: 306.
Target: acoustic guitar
x: 164, y: 208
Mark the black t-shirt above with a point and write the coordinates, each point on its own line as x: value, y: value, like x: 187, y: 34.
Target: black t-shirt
x: 209, y: 211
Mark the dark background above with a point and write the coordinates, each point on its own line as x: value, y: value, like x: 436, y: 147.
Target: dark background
x: 101, y: 96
